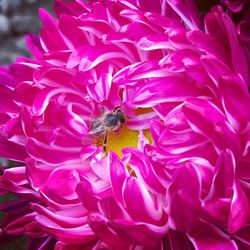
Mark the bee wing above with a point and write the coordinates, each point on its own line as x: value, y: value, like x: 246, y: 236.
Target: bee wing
x: 97, y: 128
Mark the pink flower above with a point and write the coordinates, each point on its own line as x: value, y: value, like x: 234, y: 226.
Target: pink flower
x: 174, y: 176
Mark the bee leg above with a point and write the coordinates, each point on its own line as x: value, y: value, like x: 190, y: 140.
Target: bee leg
x: 116, y: 131
x: 104, y: 146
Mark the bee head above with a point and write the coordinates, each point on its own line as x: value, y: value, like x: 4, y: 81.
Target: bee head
x: 120, y: 115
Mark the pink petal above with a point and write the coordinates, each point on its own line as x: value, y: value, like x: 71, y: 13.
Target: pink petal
x: 144, y: 234
x: 147, y: 212
x: 45, y: 153
x: 118, y: 175
x: 86, y: 195
x: 109, y: 207
x: 51, y: 38
x: 34, y: 45
x: 238, y: 57
x: 156, y: 91
x: 80, y: 234
x: 237, y: 108
x: 69, y: 26
x: 145, y: 172
x: 240, y: 212
x: 210, y: 238
x: 185, y: 184
x: 12, y: 151
x: 60, y: 219
x: 188, y: 12
x: 205, y: 118
x: 100, y: 226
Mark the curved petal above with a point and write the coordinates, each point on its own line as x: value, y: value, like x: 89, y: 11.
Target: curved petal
x: 148, y: 211
x: 118, y: 175
x: 80, y: 234
x: 205, y: 118
x: 210, y: 238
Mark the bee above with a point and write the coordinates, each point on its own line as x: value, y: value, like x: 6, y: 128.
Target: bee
x: 109, y: 121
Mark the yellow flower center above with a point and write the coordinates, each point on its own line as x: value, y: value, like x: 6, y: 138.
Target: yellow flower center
x: 125, y: 138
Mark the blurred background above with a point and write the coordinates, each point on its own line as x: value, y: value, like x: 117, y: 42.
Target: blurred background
x: 17, y: 18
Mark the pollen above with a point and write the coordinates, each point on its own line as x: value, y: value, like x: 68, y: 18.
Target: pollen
x: 124, y: 138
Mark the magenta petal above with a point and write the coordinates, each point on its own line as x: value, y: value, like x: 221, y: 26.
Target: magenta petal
x: 86, y: 195
x: 73, y: 122
x: 237, y: 54
x: 208, y: 237
x: 168, y: 89
x: 243, y: 28
x: 40, y: 151
x: 40, y: 243
x: 154, y: 42
x: 207, y: 44
x: 75, y: 8
x: 188, y: 12
x: 60, y: 219
x: 95, y: 56
x: 140, y: 122
x: 234, y: 6
x: 224, y: 176
x: 218, y: 201
x: 22, y: 71
x: 51, y: 38
x: 205, y: 118
x: 214, y: 26
x: 100, y: 226
x: 33, y: 42
x: 111, y: 209
x: 69, y: 25
x: 95, y: 27
x: 15, y: 174
x: 43, y: 98
x: 243, y: 234
x: 91, y: 56
x: 184, y: 185
x: 144, y: 170
x: 137, y: 71
x: 240, y: 211
x: 147, y: 212
x: 215, y: 68
x: 178, y: 241
x: 12, y: 151
x: 217, y: 209
x: 149, y: 5
x: 80, y: 234
x: 19, y: 225
x: 53, y: 77
x: 101, y: 90
x: 233, y: 87
x: 64, y: 178
x: 118, y: 175
x: 7, y: 80
x: 139, y: 233
x: 7, y: 185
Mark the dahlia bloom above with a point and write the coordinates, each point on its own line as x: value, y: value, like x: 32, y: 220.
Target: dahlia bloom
x: 175, y: 175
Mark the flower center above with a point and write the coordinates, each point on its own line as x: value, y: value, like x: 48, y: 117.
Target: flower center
x: 126, y: 137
